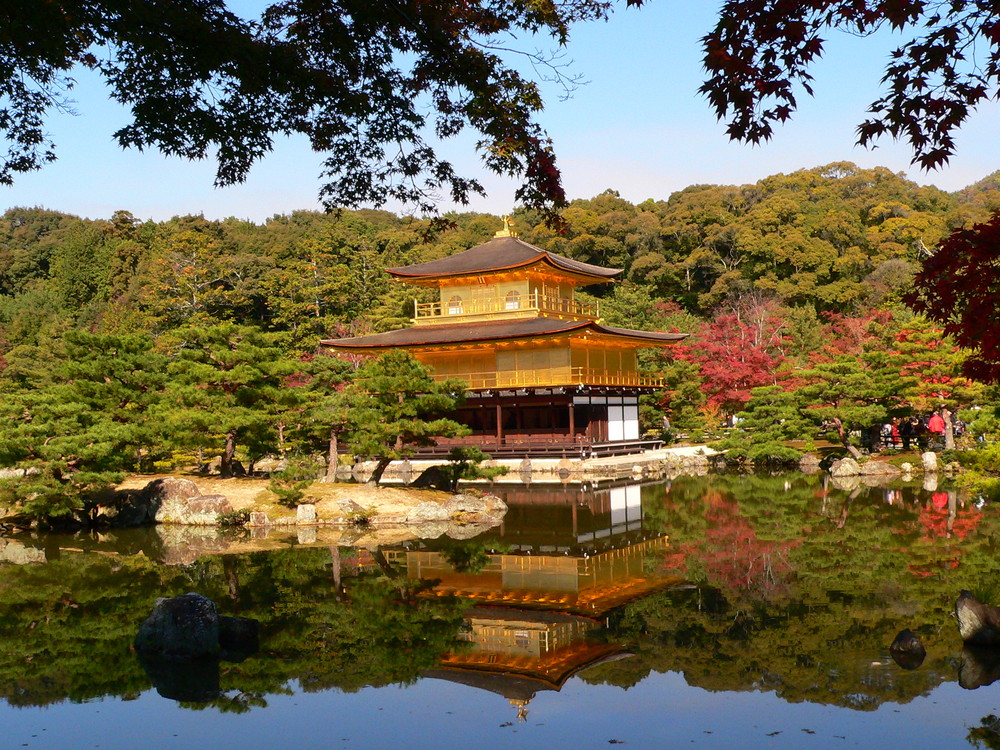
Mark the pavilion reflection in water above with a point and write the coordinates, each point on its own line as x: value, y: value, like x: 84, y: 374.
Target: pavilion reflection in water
x: 564, y: 557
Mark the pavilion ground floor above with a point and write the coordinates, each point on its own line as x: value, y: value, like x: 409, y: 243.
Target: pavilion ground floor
x: 570, y: 422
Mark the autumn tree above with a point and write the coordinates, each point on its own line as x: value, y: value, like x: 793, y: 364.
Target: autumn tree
x: 739, y: 350
x: 925, y: 353
x: 959, y: 287
x: 759, y: 54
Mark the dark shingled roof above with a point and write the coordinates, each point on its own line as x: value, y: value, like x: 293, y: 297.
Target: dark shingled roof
x: 500, y: 253
x: 488, y: 331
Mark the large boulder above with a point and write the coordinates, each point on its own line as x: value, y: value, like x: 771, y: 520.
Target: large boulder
x: 184, y: 545
x: 809, y: 463
x: 188, y: 627
x: 305, y: 514
x: 880, y: 468
x: 978, y: 667
x: 907, y: 650
x: 172, y: 489
x: 845, y: 484
x: 695, y: 461
x: 845, y: 467
x: 201, y: 510
x: 475, y: 508
x: 929, y: 461
x: 181, y: 627
x: 15, y: 552
x: 270, y: 465
x: 426, y: 512
x: 130, y: 508
x: 189, y: 681
x: 978, y: 623
x: 433, y: 476
x: 350, y: 508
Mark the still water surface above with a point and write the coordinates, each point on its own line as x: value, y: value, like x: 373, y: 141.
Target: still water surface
x: 709, y: 612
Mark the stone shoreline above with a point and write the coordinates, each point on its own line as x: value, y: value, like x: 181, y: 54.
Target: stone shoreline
x: 207, y: 501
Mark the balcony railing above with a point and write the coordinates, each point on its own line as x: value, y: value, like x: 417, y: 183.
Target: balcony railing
x: 551, y: 377
x: 498, y: 306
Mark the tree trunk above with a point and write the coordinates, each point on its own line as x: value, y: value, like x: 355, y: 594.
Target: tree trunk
x: 398, y: 446
x: 949, y: 430
x: 226, y: 467
x: 845, y: 439
x: 281, y: 440
x: 379, y: 557
x: 332, y: 457
x: 842, y: 521
x: 338, y: 584
x: 232, y: 577
x: 380, y: 467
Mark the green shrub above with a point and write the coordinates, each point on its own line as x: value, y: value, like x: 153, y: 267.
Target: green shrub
x: 290, y: 483
x: 234, y: 518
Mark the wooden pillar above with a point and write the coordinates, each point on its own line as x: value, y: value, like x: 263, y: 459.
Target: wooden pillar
x: 499, y: 423
x: 572, y: 423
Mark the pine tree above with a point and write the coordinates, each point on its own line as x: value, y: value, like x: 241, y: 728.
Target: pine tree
x: 77, y: 423
x: 229, y: 387
x: 397, y: 407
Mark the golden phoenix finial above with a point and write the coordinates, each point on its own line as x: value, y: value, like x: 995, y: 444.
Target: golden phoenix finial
x: 508, y: 228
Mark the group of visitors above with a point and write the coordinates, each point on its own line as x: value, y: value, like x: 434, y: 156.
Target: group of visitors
x: 923, y: 432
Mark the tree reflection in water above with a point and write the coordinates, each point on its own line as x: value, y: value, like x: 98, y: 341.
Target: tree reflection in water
x: 740, y: 583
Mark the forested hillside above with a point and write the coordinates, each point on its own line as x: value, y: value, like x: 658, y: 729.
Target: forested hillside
x: 831, y: 238
x: 776, y: 280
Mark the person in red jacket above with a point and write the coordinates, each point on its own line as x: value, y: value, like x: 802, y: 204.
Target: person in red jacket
x: 936, y: 424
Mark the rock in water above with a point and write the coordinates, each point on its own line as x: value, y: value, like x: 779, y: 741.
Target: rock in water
x: 473, y: 509
x: 907, y: 650
x: 239, y: 637
x: 978, y: 623
x: 182, y: 627
x: 427, y: 511
x: 188, y: 680
x: 203, y: 510
x: 845, y: 467
x: 978, y: 667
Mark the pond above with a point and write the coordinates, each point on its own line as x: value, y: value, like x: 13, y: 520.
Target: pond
x: 711, y: 612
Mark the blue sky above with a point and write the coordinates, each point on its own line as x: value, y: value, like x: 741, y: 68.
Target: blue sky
x: 638, y: 126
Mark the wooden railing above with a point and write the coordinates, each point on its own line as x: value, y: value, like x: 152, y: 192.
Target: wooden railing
x: 496, y: 306
x: 553, y: 376
x: 540, y: 445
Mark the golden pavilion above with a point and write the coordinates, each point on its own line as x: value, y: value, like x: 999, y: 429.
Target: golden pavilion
x: 545, y: 375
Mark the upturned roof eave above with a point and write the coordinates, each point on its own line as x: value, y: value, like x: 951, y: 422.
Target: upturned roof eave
x: 492, y: 336
x: 543, y: 258
x: 641, y: 338
x: 510, y: 253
